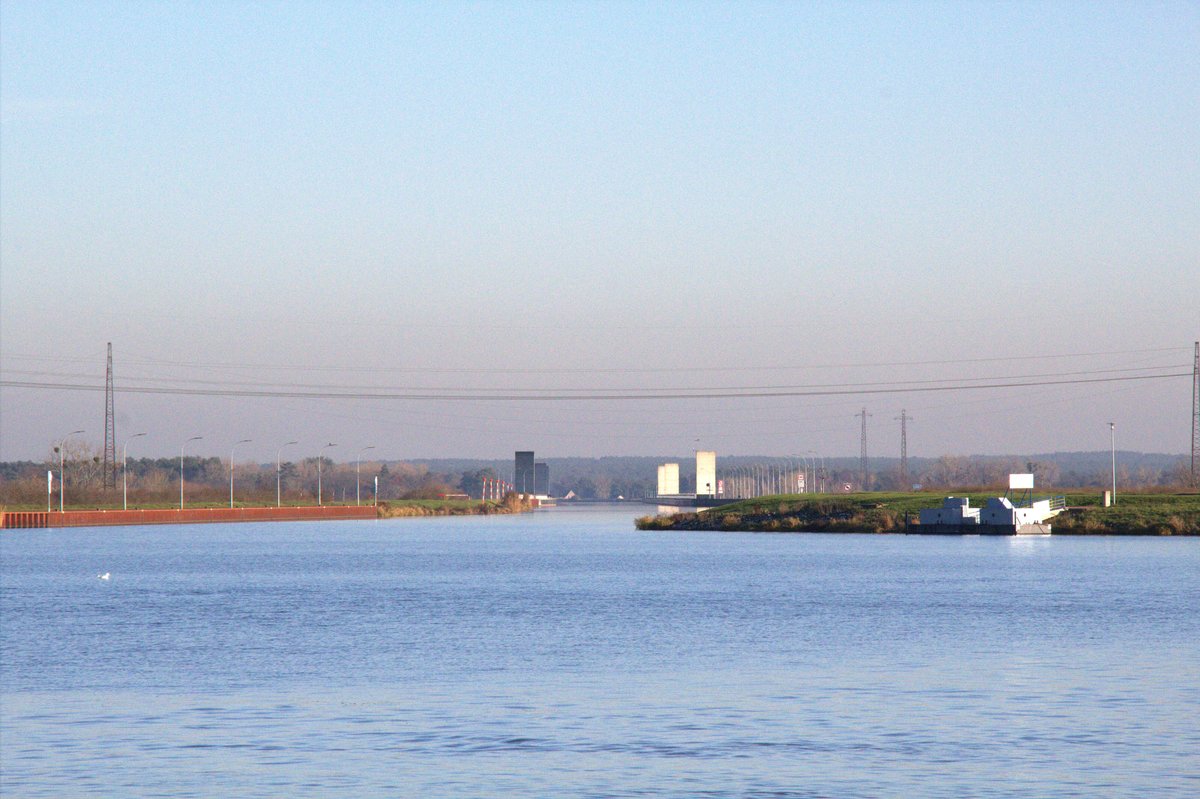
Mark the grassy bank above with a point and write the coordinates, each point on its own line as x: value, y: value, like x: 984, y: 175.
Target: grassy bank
x: 405, y: 508
x: 1136, y: 514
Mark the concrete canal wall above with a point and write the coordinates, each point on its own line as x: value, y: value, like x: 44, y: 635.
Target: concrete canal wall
x: 13, y: 520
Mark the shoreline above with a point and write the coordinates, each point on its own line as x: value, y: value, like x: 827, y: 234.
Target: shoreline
x: 896, y: 513
x: 41, y: 520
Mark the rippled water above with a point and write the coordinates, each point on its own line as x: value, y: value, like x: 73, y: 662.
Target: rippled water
x: 564, y: 654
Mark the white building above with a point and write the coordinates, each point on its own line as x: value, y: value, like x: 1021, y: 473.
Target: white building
x: 1000, y: 511
x: 706, y: 474
x: 668, y: 479
x: 999, y: 516
x: 955, y: 510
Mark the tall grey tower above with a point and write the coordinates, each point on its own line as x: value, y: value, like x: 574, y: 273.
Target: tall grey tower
x: 109, y: 470
x: 524, y: 473
x: 904, y: 420
x: 1196, y: 415
x: 862, y: 458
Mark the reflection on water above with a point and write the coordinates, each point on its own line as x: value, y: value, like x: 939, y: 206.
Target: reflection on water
x: 564, y: 653
x: 1027, y: 544
x: 666, y: 510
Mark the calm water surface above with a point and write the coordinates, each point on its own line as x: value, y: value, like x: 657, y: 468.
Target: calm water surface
x: 565, y: 654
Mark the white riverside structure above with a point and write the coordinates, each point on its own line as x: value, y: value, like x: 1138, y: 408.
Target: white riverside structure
x: 668, y: 480
x: 708, y: 490
x: 706, y: 474
x: 998, y: 516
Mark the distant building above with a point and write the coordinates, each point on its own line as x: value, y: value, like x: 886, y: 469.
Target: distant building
x: 668, y: 479
x: 706, y: 474
x: 541, y: 479
x: 524, y: 474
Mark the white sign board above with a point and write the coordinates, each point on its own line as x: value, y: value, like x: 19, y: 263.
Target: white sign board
x: 1022, y: 481
x: 49, y: 482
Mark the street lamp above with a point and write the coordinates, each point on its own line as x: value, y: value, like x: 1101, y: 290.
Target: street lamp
x: 357, y: 484
x: 1112, y: 431
x: 125, y: 470
x: 231, y: 449
x: 817, y: 475
x: 278, y: 463
x: 814, y: 483
x: 181, y: 446
x: 62, y: 483
x: 319, y: 459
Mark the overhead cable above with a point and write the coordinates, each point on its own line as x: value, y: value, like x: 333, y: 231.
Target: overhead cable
x: 550, y: 397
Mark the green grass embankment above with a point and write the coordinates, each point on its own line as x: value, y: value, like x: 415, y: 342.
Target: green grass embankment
x: 1135, y: 514
x: 406, y: 508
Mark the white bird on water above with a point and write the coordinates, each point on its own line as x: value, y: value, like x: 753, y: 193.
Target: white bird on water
x: 104, y: 576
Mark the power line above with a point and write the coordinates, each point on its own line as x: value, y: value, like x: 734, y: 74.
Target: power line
x: 466, y: 396
x: 594, y: 390
x: 147, y: 360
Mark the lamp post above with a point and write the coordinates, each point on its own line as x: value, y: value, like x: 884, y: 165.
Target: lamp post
x: 181, y: 446
x: 1112, y: 431
x: 231, y: 449
x: 817, y: 477
x: 816, y: 474
x: 125, y: 470
x: 319, y: 459
x: 62, y: 483
x: 278, y: 464
x: 357, y: 482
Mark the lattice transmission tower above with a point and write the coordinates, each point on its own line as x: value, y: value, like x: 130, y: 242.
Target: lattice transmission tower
x: 110, y: 428
x: 904, y: 420
x: 1196, y: 415
x: 862, y: 458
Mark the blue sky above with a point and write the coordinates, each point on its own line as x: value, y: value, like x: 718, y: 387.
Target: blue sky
x: 547, y: 196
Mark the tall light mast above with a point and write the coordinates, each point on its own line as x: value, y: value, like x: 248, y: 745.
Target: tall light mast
x: 109, y: 471
x: 1196, y: 415
x: 862, y: 458
x: 904, y: 419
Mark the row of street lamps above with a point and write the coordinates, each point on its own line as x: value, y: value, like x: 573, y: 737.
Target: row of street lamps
x: 278, y: 471
x: 757, y: 479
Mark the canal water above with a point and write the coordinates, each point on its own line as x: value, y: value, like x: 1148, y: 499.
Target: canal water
x: 564, y: 654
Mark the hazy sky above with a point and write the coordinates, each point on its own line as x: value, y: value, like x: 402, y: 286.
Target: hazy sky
x: 786, y: 198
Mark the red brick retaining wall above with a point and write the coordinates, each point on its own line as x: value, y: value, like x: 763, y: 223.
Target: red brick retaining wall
x: 100, y: 518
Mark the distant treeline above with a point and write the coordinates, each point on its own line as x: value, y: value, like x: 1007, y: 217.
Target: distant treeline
x: 633, y: 477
